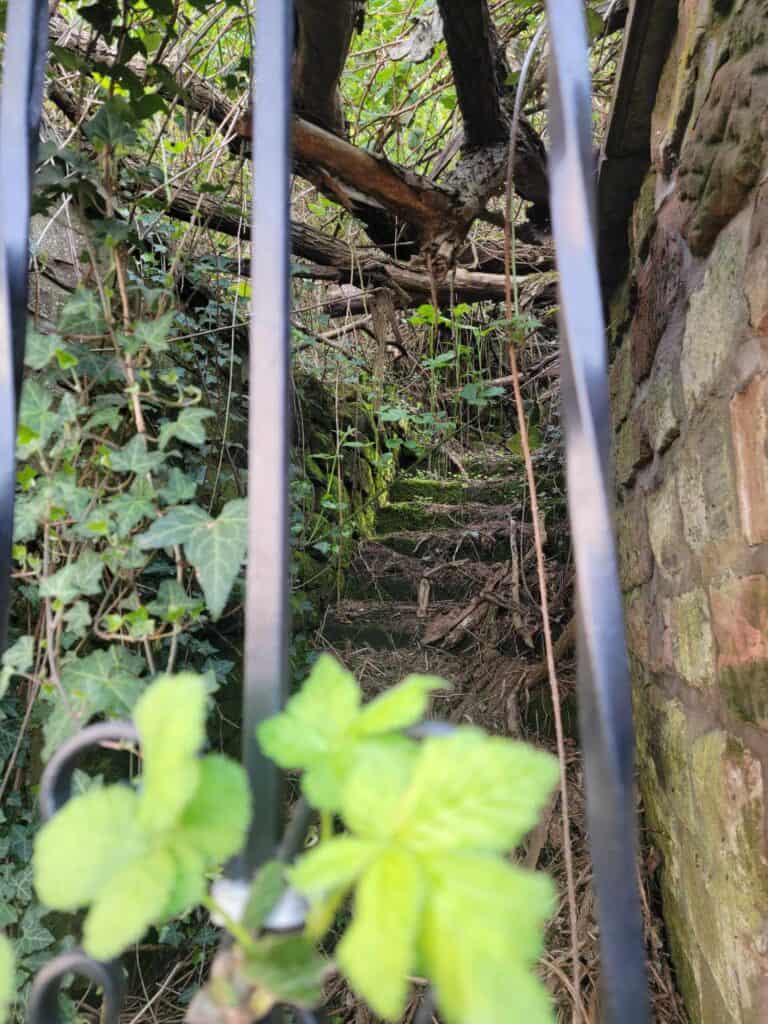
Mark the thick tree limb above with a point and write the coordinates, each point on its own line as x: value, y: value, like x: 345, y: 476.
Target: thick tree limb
x: 323, y: 37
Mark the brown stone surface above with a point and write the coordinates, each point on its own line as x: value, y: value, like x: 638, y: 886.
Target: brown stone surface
x: 635, y: 557
x: 659, y: 285
x: 740, y: 622
x: 749, y: 424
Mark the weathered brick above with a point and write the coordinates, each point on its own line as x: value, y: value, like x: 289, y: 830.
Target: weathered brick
x: 740, y: 621
x: 633, y: 449
x: 635, y: 557
x: 693, y: 649
x: 663, y: 407
x: 622, y: 386
x: 665, y: 526
x: 756, y: 272
x: 637, y: 617
x: 659, y: 286
x: 706, y: 485
x: 749, y: 425
x: 716, y: 317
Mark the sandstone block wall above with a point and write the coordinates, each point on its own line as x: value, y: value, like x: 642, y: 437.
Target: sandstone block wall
x: 689, y: 330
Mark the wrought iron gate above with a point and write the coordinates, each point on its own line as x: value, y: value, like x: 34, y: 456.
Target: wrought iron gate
x: 604, y: 690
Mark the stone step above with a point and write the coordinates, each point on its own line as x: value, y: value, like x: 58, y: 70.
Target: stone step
x: 486, y: 540
x: 381, y: 625
x: 497, y: 490
x: 378, y: 572
x: 428, y: 515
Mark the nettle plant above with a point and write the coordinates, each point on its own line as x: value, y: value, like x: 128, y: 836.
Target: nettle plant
x: 416, y: 831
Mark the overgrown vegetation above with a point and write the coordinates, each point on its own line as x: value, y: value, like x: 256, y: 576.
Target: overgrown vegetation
x: 130, y: 520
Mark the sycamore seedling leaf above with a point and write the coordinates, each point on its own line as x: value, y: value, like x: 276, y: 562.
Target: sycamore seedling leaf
x: 324, y: 728
x: 7, y: 977
x: 429, y: 826
x: 138, y: 856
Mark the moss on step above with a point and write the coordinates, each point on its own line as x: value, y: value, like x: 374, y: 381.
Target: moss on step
x: 426, y: 516
x: 490, y: 491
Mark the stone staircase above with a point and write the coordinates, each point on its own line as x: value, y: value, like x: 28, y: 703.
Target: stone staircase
x: 441, y: 589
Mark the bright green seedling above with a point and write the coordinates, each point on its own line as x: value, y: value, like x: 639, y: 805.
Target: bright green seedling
x: 429, y: 827
x: 324, y: 728
x: 139, y: 856
x: 7, y: 978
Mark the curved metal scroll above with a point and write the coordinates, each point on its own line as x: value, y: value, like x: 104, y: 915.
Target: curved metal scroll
x: 604, y: 686
x: 55, y: 790
x: 20, y: 107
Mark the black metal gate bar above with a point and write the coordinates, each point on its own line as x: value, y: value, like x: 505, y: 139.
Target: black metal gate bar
x: 21, y: 100
x: 604, y: 686
x: 267, y: 610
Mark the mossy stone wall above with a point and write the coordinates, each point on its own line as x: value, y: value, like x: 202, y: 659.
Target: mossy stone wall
x: 689, y: 335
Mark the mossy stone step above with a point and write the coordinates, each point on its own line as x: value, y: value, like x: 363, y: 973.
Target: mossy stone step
x: 497, y: 490
x: 433, y: 515
x: 380, y: 625
x: 486, y: 541
x: 378, y: 572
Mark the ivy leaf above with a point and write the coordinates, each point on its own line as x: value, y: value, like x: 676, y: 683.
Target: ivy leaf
x: 37, y: 419
x: 175, y: 527
x: 474, y: 792
x: 284, y: 969
x: 83, y: 576
x: 151, y: 334
x: 113, y: 125
x: 131, y: 507
x: 71, y: 872
x: 215, y: 820
x: 40, y: 349
x: 135, y: 457
x: 216, y: 550
x: 18, y: 658
x: 188, y: 427
x: 33, y: 936
x: 173, y: 603
x: 178, y: 489
x: 378, y: 950
x: 82, y: 314
x: 7, y: 977
x: 170, y: 719
x: 215, y: 547
x: 78, y: 619
x: 135, y: 897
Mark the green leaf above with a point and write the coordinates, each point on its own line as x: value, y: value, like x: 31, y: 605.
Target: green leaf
x: 37, y: 419
x: 188, y: 427
x: 40, y: 349
x: 373, y: 793
x: 378, y: 950
x: 135, y: 897
x: 175, y: 527
x: 131, y: 507
x: 217, y: 550
x: 71, y: 872
x: 178, y: 489
x: 398, y: 708
x: 266, y: 889
x: 189, y: 885
x: 215, y: 547
x: 474, y: 792
x: 173, y: 603
x: 284, y: 969
x: 215, y: 820
x: 20, y: 657
x: 7, y: 977
x: 151, y: 334
x: 135, y: 457
x: 113, y: 125
x: 78, y: 619
x: 332, y: 867
x: 170, y: 719
x: 83, y: 576
x: 82, y: 314
x: 485, y: 963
